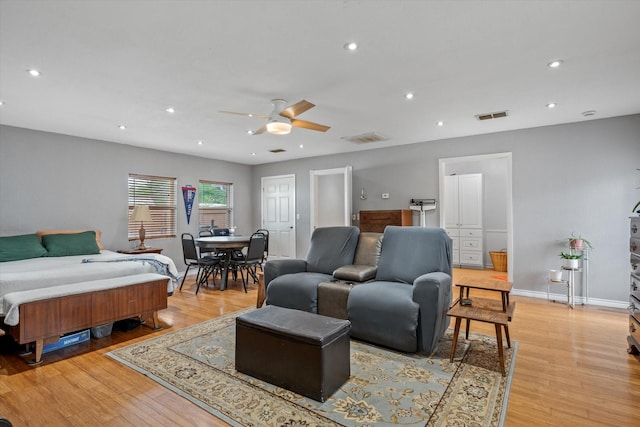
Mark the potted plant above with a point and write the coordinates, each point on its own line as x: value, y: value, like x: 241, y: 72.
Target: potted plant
x: 578, y: 242
x: 570, y: 260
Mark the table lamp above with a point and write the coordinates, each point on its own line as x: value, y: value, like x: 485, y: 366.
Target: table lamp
x: 141, y: 213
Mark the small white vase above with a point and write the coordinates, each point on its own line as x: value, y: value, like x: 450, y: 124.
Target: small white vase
x: 571, y: 263
x: 555, y: 275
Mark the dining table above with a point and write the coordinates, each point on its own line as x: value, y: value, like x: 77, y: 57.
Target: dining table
x: 226, y: 244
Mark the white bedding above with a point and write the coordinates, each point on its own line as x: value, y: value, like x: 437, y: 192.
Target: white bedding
x: 37, y: 273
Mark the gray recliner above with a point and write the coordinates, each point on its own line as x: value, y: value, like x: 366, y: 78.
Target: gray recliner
x: 293, y: 283
x: 405, y: 307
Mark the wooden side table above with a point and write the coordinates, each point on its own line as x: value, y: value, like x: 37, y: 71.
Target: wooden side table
x: 498, y: 312
x: 261, y: 290
x: 140, y: 251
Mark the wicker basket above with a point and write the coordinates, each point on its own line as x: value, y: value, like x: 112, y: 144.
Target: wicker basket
x: 499, y: 260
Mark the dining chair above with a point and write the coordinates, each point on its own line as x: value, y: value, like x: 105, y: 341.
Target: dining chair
x: 265, y: 232
x: 251, y: 260
x: 206, y: 264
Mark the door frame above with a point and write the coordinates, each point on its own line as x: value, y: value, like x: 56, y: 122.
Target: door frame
x: 347, y: 172
x: 292, y: 194
x: 508, y: 157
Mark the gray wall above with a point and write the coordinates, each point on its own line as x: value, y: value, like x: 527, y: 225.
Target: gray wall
x: 578, y: 177
x: 53, y: 181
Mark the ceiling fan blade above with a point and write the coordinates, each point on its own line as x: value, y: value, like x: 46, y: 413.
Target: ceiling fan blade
x: 263, y: 129
x: 259, y: 116
x: 296, y: 109
x: 309, y: 125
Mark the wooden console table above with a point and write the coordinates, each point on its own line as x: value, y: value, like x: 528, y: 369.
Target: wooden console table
x: 498, y: 312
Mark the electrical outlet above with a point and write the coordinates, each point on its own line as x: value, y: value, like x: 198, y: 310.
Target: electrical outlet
x: 385, y: 195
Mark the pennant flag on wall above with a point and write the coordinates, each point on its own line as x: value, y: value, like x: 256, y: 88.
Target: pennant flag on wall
x: 189, y: 195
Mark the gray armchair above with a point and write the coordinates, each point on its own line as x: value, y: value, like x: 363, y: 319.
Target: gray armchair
x: 293, y: 283
x: 405, y: 307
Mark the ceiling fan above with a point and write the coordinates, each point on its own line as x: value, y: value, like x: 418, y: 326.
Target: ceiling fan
x: 282, y: 118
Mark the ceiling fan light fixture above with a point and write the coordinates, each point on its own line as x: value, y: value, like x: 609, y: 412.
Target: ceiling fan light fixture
x: 277, y: 127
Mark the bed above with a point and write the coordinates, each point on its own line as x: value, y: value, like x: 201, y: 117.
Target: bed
x: 45, y: 294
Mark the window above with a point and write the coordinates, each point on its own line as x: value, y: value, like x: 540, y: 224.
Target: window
x: 215, y: 203
x: 160, y: 194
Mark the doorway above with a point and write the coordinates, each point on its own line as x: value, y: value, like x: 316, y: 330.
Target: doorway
x: 278, y: 214
x: 330, y: 197
x: 498, y: 230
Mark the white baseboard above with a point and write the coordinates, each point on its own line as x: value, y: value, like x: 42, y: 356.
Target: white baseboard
x: 563, y: 298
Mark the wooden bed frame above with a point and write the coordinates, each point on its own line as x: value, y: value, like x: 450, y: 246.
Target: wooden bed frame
x: 45, y: 321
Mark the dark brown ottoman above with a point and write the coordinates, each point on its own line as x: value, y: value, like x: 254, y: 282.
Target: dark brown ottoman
x: 299, y: 351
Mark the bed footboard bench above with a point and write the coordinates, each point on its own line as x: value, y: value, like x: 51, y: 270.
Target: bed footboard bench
x: 70, y: 308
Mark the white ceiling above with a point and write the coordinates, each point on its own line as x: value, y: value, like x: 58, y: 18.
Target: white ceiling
x: 106, y: 63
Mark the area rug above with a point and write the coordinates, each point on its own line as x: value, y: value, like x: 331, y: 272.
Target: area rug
x: 386, y: 388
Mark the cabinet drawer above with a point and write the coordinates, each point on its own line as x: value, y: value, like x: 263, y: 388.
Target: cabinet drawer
x: 634, y: 329
x: 634, y: 306
x: 635, y: 265
x: 635, y: 227
x: 471, y: 244
x: 634, y: 245
x: 470, y: 232
x: 453, y: 232
x: 473, y: 258
x: 634, y: 284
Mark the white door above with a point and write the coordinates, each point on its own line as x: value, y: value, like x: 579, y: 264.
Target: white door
x: 451, y: 207
x: 278, y: 214
x: 470, y: 192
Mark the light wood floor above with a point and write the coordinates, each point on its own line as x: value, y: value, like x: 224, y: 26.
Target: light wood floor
x: 572, y: 368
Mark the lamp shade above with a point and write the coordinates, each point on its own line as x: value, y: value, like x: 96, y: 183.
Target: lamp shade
x: 278, y: 127
x: 140, y: 213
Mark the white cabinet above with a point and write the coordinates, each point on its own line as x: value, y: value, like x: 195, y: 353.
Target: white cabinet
x: 463, y: 218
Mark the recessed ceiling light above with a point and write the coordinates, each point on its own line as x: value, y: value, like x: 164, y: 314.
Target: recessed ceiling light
x: 1, y: 103
x: 122, y: 127
x: 33, y: 72
x: 351, y: 46
x: 551, y: 105
x: 170, y: 110
x: 301, y: 146
x: 200, y: 142
x: 253, y: 154
x: 250, y: 132
x: 555, y: 64
x: 440, y: 123
x: 408, y: 95
x: 589, y: 113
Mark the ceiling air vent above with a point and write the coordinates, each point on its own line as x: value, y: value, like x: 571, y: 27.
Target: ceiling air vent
x: 489, y: 116
x: 365, y: 138
x: 278, y: 150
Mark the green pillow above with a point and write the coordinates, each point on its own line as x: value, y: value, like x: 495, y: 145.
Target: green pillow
x: 14, y: 248
x: 71, y: 244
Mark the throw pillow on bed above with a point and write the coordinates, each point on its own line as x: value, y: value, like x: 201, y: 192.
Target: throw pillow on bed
x: 71, y: 244
x: 14, y: 248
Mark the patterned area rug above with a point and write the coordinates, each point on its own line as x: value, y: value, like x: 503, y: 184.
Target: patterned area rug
x: 385, y: 388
